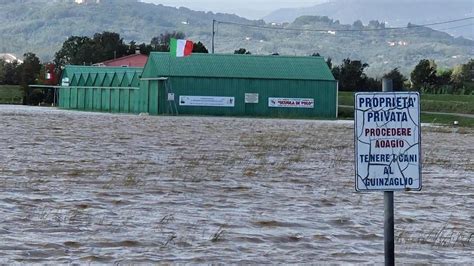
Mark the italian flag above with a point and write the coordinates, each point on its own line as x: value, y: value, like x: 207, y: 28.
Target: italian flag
x: 180, y: 48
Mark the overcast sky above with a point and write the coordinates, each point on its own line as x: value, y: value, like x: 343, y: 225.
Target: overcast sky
x: 253, y: 9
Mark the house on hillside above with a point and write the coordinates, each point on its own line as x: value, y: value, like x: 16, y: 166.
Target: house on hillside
x: 86, y: 1
x: 10, y: 58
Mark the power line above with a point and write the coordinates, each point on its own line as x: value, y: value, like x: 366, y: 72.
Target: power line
x: 455, y: 27
x: 343, y: 30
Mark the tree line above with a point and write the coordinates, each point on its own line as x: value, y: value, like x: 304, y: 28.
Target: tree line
x: 24, y: 74
x: 84, y: 50
x: 425, y: 77
x: 79, y: 50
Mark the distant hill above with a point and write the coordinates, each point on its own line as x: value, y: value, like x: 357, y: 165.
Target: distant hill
x: 41, y: 26
x: 395, y: 13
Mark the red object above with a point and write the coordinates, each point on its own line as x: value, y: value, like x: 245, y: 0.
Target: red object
x: 50, y: 75
x: 188, y: 49
x: 134, y: 60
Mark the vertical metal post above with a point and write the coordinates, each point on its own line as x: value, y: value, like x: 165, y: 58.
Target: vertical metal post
x: 389, y: 224
x: 387, y: 85
x: 337, y: 99
x: 213, y: 34
x: 389, y: 229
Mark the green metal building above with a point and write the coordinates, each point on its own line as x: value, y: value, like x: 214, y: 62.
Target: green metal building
x: 206, y: 84
x: 104, y: 89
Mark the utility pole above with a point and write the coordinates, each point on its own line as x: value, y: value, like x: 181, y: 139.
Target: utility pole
x: 213, y: 34
x: 389, y: 225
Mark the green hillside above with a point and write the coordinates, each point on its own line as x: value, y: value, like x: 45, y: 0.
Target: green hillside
x: 396, y: 13
x: 41, y: 27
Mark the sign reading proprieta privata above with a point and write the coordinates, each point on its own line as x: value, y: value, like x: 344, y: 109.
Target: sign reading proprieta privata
x: 387, y: 141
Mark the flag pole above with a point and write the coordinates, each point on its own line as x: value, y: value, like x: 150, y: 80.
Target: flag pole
x: 213, y: 34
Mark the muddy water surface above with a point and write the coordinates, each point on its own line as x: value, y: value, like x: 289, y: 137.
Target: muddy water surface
x: 102, y: 188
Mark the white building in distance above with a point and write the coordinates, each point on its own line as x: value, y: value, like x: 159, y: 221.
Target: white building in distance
x: 86, y: 1
x: 10, y: 58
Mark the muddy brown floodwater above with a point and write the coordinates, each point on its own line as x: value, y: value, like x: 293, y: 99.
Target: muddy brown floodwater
x: 81, y: 187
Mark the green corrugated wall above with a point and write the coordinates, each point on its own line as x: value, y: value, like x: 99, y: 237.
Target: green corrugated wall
x: 234, y: 75
x: 137, y: 90
x: 102, y: 89
x: 324, y: 94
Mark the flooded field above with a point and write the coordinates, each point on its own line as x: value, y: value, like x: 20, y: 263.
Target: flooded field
x: 101, y: 188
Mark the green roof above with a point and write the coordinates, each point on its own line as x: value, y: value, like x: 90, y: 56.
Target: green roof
x: 238, y: 66
x: 99, y: 76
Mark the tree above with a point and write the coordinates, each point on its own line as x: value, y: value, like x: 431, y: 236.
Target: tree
x: 423, y: 77
x: 358, y: 24
x: 9, y: 73
x: 200, y: 48
x: 463, y: 75
x: 351, y: 75
x: 133, y: 48
x: 108, y: 45
x: 29, y: 72
x: 145, y: 48
x: 30, y: 69
x: 82, y: 50
x: 371, y: 84
x: 76, y: 50
x: 463, y: 72
x: 329, y: 62
x: 242, y: 51
x: 397, y: 78
x: 443, y: 81
x: 375, y: 24
x: 162, y: 43
x: 2, y: 71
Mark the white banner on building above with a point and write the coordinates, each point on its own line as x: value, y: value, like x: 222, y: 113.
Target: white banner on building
x: 65, y: 82
x: 209, y: 101
x: 291, y: 102
x: 251, y: 98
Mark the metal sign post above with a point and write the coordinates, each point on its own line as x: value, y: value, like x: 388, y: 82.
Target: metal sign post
x: 388, y: 221
x: 387, y: 149
x: 389, y: 229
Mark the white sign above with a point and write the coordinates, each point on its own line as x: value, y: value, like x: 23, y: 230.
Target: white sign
x: 65, y: 82
x: 291, y: 102
x: 387, y: 141
x: 170, y: 97
x: 210, y: 101
x: 251, y: 98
